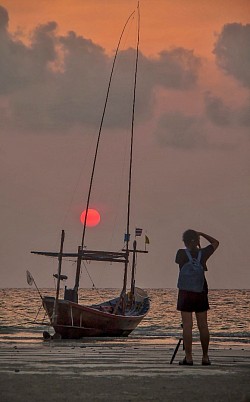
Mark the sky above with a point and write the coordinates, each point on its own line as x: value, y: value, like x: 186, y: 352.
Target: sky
x: 192, y: 135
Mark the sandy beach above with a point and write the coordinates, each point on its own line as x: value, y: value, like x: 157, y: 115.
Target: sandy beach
x: 114, y: 370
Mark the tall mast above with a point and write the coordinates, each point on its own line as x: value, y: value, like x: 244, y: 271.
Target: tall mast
x: 131, y: 151
x: 95, y: 158
x: 100, y: 130
x: 54, y: 315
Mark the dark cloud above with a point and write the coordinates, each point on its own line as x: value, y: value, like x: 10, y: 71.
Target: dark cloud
x: 43, y: 44
x: 176, y: 69
x: 178, y: 130
x: 22, y: 66
x: 217, y: 111
x: 232, y: 51
x: 4, y: 19
x: 244, y: 115
x: 222, y: 115
x: 57, y: 82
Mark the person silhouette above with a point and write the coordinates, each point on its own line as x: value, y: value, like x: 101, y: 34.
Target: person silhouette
x: 193, y: 302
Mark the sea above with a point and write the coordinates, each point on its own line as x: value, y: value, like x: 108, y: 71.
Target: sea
x: 22, y: 318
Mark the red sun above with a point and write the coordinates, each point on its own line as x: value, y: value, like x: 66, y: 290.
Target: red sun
x: 93, y: 217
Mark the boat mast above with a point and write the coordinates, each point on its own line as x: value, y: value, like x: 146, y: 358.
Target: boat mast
x: 132, y: 287
x: 60, y: 256
x: 78, y: 269
x: 131, y: 155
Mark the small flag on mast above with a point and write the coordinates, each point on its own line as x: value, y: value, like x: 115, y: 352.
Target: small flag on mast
x: 30, y: 278
x: 138, y: 232
x: 126, y: 237
x: 146, y: 240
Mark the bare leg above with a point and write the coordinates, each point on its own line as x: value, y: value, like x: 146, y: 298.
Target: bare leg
x: 187, y: 322
x: 204, y: 333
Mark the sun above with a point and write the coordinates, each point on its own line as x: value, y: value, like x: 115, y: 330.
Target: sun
x: 93, y: 217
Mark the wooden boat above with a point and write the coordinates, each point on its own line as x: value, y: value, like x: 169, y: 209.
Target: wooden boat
x: 115, y: 317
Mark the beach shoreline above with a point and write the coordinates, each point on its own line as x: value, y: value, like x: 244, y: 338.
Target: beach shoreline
x: 120, y: 370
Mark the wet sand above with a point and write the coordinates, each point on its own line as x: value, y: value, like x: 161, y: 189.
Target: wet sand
x: 120, y: 371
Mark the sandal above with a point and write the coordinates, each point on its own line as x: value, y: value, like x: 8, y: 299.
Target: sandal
x: 184, y: 362
x: 206, y: 362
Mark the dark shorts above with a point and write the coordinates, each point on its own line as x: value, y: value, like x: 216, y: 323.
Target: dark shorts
x: 192, y: 302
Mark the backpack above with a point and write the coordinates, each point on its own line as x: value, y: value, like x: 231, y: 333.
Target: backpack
x: 191, y: 276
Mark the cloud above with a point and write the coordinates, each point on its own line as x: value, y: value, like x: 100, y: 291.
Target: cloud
x: 232, y: 51
x: 57, y: 82
x: 244, y: 115
x: 222, y: 115
x: 4, y: 19
x: 181, y: 131
x: 176, y: 69
x: 216, y: 110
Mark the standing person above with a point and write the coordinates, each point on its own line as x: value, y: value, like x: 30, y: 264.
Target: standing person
x: 189, y: 301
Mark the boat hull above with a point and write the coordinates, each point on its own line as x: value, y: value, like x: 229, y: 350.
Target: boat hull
x: 75, y: 321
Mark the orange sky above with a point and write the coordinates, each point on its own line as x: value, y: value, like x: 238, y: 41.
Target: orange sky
x: 190, y: 128
x: 164, y: 23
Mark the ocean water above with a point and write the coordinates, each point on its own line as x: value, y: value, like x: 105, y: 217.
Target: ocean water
x: 22, y: 315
